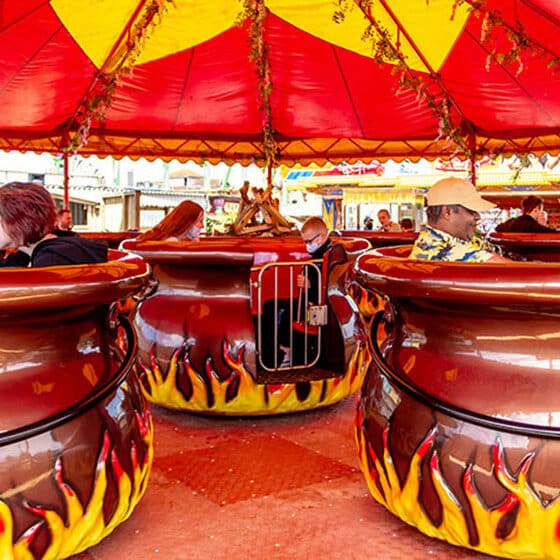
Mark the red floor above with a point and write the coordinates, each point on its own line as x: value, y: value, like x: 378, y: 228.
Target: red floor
x: 284, y: 487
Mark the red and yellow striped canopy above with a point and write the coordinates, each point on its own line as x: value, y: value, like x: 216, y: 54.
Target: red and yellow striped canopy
x: 194, y: 90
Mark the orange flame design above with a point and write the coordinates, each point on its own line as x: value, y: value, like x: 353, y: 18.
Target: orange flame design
x: 368, y: 302
x: 83, y: 528
x: 239, y: 394
x: 535, y: 528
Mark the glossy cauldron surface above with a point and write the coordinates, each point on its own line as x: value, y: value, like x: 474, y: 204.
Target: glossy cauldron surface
x: 75, y: 429
x: 544, y: 247
x: 458, y: 424
x: 380, y: 238
x: 197, y: 338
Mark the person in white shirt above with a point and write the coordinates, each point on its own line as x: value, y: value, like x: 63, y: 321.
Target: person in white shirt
x: 386, y: 223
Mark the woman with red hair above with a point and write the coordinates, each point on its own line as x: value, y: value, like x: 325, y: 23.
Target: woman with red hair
x: 184, y: 222
x: 27, y: 220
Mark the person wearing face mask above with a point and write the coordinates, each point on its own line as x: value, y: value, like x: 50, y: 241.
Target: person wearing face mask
x: 184, y: 223
x: 453, y: 207
x: 315, y: 235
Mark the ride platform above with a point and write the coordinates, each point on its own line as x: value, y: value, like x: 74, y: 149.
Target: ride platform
x: 278, y: 487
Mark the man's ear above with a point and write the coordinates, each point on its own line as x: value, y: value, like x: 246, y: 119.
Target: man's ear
x: 445, y: 212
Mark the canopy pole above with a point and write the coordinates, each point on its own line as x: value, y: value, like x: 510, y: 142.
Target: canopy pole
x: 472, y: 157
x: 66, y: 180
x: 269, y: 176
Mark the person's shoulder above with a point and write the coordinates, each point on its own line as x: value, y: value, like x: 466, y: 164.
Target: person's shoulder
x: 528, y: 224
x: 64, y: 233
x: 68, y: 250
x: 430, y: 245
x: 506, y: 226
x: 546, y: 229
x: 16, y: 259
x: 58, y: 241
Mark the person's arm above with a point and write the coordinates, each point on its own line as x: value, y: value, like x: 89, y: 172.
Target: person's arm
x: 16, y: 259
x: 308, y: 280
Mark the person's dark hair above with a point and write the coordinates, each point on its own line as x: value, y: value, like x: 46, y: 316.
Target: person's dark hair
x: 434, y: 212
x: 179, y: 221
x: 407, y: 223
x: 532, y: 202
x: 27, y: 212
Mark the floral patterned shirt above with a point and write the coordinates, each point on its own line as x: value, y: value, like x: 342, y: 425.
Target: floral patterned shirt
x: 436, y: 245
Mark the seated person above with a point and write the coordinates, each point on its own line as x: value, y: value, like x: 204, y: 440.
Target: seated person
x: 453, y: 207
x: 530, y: 220
x: 407, y: 225
x: 386, y: 223
x: 27, y: 220
x: 64, y: 223
x: 184, y: 222
x: 542, y: 218
x: 315, y: 235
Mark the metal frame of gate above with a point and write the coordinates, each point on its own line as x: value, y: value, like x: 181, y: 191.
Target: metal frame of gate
x: 303, y: 268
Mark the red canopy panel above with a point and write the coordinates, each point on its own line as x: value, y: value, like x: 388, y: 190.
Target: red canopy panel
x: 194, y: 92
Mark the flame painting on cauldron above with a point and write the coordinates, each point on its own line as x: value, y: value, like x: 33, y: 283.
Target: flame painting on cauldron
x: 522, y: 524
x: 76, y: 526
x: 457, y: 423
x: 184, y: 388
x: 76, y: 443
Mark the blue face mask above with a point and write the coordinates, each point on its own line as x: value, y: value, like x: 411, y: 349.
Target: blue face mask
x: 193, y: 233
x: 313, y: 243
x: 312, y: 247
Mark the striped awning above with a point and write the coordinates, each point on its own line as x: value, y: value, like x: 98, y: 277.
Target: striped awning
x: 294, y: 80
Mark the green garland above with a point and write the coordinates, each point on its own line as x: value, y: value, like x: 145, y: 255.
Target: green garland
x: 387, y: 50
x: 521, y: 46
x: 95, y: 105
x: 254, y: 12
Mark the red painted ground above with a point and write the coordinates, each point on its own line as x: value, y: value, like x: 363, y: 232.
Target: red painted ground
x: 279, y: 488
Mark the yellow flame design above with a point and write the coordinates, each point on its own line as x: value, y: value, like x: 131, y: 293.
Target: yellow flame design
x: 83, y: 528
x: 535, y: 531
x: 211, y: 395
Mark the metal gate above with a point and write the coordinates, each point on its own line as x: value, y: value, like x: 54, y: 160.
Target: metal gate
x: 289, y: 326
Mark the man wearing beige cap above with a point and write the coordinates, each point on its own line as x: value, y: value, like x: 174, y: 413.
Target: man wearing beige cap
x: 453, y: 207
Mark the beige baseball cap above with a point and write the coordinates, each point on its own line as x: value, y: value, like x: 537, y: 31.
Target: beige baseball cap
x: 457, y: 191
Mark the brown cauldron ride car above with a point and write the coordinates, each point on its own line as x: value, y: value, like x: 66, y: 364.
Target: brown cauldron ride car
x: 75, y: 429
x: 458, y: 422
x: 210, y: 335
x: 543, y: 247
x: 380, y: 238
